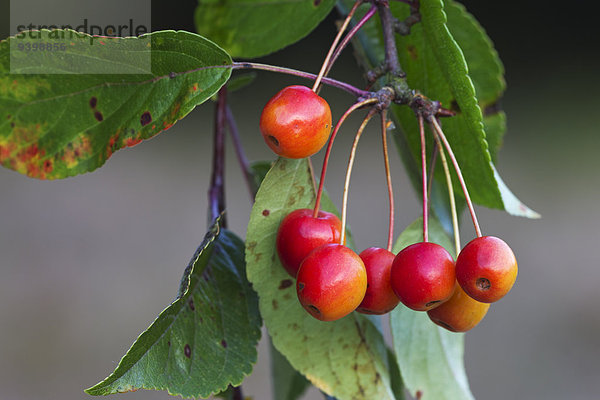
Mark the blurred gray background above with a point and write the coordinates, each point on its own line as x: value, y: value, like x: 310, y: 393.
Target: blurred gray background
x: 87, y: 263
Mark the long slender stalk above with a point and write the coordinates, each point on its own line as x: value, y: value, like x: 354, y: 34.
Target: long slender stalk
x: 349, y: 172
x: 450, y: 193
x: 349, y: 37
x: 388, y: 177
x: 331, y: 82
x: 434, y: 157
x: 438, y: 129
x: 349, y: 111
x: 216, y: 192
x: 326, y: 62
x: 424, y: 179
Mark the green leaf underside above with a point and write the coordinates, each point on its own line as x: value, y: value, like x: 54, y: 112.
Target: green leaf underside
x: 344, y: 358
x: 430, y: 358
x: 254, y: 28
x: 288, y: 384
x: 58, y: 125
x: 395, y: 376
x: 206, y: 339
x: 436, y: 66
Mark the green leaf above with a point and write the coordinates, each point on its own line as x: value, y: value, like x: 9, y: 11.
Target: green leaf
x: 484, y: 65
x: 436, y: 66
x: 206, y: 339
x: 430, y: 358
x: 288, y: 384
x: 485, y: 70
x: 448, y: 57
x: 495, y: 126
x: 344, y: 358
x: 254, y: 28
x: 58, y: 125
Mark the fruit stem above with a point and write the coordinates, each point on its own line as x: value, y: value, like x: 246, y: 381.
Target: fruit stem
x: 450, y: 193
x: 349, y: 111
x: 349, y: 172
x: 349, y: 37
x: 388, y: 176
x: 331, y: 82
x: 424, y: 179
x: 326, y: 62
x: 434, y: 157
x: 239, y: 151
x: 438, y: 129
x: 216, y: 192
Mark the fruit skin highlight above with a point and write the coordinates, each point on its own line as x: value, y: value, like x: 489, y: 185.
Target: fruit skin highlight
x: 331, y: 282
x: 380, y: 297
x: 300, y: 233
x: 423, y: 276
x: 460, y: 313
x: 486, y: 269
x: 296, y: 122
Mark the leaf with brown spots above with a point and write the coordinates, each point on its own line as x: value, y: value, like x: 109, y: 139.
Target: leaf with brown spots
x: 54, y: 125
x: 324, y: 352
x: 183, y: 351
x: 288, y: 384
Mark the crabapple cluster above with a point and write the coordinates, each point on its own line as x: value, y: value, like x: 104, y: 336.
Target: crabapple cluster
x: 332, y: 280
x: 456, y: 296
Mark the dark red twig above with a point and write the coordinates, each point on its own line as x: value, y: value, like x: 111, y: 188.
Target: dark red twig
x: 391, y: 52
x: 216, y: 192
x: 328, y: 81
x: 237, y: 393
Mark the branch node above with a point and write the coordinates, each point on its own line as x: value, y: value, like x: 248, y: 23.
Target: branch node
x: 376, y: 73
x: 428, y: 108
